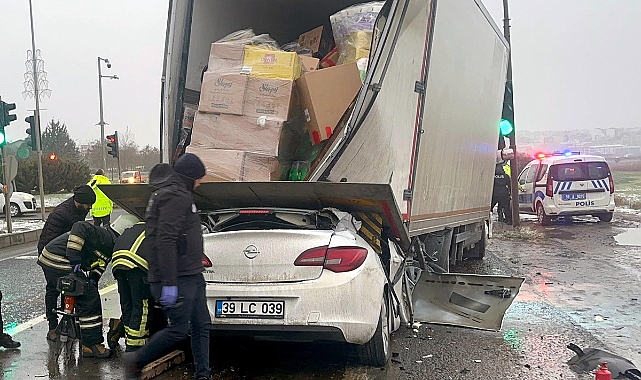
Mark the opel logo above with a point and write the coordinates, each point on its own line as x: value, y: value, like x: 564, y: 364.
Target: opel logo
x: 251, y: 251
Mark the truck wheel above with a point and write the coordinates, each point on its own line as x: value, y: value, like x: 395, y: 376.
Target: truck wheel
x: 542, y: 218
x: 478, y: 252
x: 376, y: 351
x: 607, y: 217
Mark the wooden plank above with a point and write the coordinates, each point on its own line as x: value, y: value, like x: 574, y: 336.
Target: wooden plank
x: 161, y: 365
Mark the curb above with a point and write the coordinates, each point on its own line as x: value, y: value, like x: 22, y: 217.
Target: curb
x: 19, y: 238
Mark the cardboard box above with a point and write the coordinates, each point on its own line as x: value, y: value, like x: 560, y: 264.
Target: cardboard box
x: 271, y: 64
x: 309, y: 63
x: 268, y: 97
x: 311, y: 40
x: 227, y: 57
x: 325, y: 95
x: 237, y: 133
x: 223, y: 165
x: 330, y: 59
x: 356, y: 47
x: 222, y: 93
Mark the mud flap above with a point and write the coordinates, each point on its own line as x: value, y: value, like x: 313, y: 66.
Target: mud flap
x: 476, y: 301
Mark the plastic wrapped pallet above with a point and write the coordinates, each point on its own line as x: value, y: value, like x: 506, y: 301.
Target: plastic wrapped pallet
x: 352, y: 28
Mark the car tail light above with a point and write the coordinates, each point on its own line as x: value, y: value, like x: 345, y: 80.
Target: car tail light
x: 337, y: 259
x: 611, y: 183
x: 206, y: 262
x: 549, y: 187
x: 312, y: 257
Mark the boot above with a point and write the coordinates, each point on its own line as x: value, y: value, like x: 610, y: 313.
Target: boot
x: 116, y: 331
x: 7, y: 342
x: 95, y: 351
x: 130, y: 364
x: 52, y: 336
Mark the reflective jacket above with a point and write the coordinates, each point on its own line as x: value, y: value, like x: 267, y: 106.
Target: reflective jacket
x: 130, y: 250
x: 86, y: 244
x: 103, y: 205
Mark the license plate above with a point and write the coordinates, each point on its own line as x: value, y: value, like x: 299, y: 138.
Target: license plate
x: 250, y: 309
x: 573, y: 197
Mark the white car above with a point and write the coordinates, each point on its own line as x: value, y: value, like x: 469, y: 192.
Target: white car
x: 20, y: 203
x: 308, y: 268
x: 567, y: 184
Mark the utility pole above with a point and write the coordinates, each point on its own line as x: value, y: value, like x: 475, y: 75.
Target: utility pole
x: 516, y: 221
x: 36, y: 96
x: 102, y: 119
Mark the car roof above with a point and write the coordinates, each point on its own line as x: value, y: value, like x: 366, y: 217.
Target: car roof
x: 555, y: 160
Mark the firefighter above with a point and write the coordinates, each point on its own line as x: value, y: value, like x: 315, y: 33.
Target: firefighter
x: 141, y: 316
x: 102, y: 208
x: 501, y: 194
x: 86, y: 248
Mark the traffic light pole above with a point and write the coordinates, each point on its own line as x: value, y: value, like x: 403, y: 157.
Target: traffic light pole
x: 36, y: 115
x: 516, y: 221
x: 7, y: 196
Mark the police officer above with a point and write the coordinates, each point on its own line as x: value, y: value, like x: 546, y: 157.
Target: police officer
x: 501, y: 194
x: 102, y: 208
x: 86, y: 248
x: 175, y: 265
x: 140, y: 314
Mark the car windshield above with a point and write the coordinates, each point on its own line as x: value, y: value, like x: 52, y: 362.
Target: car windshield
x: 128, y: 174
x: 580, y: 171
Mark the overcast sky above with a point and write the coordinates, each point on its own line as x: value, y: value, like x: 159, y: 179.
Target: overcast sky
x: 576, y: 63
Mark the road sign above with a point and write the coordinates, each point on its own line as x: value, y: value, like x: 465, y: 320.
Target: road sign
x: 12, y: 166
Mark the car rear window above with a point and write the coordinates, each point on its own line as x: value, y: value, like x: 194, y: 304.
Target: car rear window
x: 580, y: 171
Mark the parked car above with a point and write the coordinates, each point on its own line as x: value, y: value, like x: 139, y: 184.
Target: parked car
x: 20, y: 203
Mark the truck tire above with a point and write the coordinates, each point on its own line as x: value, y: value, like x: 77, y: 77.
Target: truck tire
x: 376, y: 351
x: 607, y: 217
x: 541, y: 216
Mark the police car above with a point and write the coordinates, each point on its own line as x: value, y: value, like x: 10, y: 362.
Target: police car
x: 566, y: 184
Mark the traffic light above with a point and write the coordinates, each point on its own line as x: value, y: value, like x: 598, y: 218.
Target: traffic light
x: 5, y: 119
x: 112, y: 144
x: 506, y: 126
x: 31, y: 120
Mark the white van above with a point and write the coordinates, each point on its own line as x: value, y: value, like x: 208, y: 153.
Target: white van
x: 566, y: 184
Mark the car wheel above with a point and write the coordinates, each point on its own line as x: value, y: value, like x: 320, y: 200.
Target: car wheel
x: 376, y: 351
x: 542, y: 218
x: 14, y: 209
x: 607, y: 217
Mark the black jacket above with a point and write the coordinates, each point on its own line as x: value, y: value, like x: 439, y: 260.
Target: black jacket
x: 501, y: 183
x: 60, y: 221
x: 130, y: 251
x: 173, y: 228
x: 86, y: 244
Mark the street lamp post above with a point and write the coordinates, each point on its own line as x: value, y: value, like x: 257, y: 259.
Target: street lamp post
x: 102, y: 119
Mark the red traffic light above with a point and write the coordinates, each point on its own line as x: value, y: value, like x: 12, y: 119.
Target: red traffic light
x: 53, y: 157
x: 111, y: 139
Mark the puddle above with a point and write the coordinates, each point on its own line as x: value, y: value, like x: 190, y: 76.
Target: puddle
x: 632, y: 236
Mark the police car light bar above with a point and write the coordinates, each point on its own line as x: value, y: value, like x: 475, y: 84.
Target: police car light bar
x: 566, y: 153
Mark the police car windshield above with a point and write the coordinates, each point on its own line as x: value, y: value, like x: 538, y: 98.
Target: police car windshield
x: 580, y: 171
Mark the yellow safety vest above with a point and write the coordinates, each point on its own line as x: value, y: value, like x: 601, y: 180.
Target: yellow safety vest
x: 103, y: 205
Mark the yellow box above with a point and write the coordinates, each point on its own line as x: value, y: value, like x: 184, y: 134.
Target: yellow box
x: 272, y: 64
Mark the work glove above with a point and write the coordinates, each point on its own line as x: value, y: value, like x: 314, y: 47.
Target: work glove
x: 76, y: 268
x: 168, y: 296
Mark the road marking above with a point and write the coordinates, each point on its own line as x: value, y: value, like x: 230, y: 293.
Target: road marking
x: 27, y: 257
x: 29, y: 324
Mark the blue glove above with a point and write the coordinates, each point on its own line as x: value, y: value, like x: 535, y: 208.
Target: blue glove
x: 76, y: 268
x: 168, y: 295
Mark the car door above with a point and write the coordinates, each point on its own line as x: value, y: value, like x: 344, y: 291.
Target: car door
x: 468, y: 300
x: 525, y: 197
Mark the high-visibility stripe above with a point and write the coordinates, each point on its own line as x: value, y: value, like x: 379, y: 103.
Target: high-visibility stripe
x: 77, y: 239
x: 54, y: 257
x: 135, y: 259
x: 89, y: 318
x: 101, y: 255
x: 136, y: 342
x: 86, y: 326
x: 138, y: 242
x: 371, y: 229
x: 54, y: 265
x: 123, y: 262
x: 74, y: 246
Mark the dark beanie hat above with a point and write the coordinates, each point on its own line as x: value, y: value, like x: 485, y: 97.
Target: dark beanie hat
x: 84, y: 194
x: 190, y: 166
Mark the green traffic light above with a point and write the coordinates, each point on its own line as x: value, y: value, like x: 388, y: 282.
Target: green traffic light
x: 505, y: 127
x: 2, y: 138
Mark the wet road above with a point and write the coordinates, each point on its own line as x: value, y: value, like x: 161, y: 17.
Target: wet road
x: 581, y: 287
